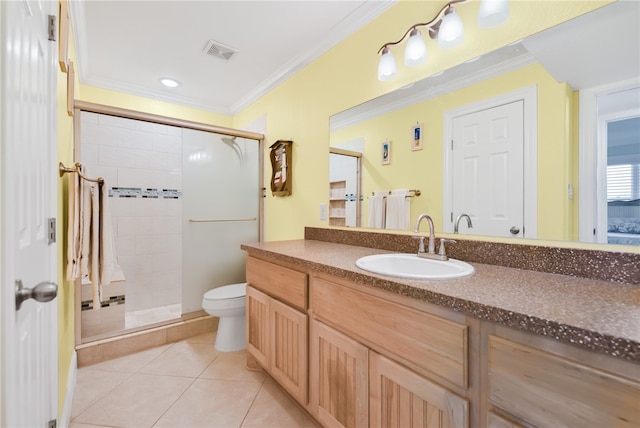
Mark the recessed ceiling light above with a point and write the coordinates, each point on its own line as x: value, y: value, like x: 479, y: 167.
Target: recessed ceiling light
x: 170, y: 83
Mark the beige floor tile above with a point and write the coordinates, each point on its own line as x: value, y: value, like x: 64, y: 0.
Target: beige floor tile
x: 231, y: 366
x: 137, y: 402
x: 211, y: 403
x: 131, y: 363
x: 182, y: 359
x: 275, y: 408
x: 91, y: 385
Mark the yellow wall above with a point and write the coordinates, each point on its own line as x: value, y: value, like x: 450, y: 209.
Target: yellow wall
x: 66, y: 314
x: 345, y: 76
x: 146, y: 105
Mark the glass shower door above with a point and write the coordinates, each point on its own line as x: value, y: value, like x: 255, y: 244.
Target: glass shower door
x: 221, y: 194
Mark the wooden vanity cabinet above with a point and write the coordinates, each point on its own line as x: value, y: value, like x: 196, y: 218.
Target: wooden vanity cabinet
x: 357, y: 356
x: 385, y: 357
x: 277, y: 324
x: 535, y: 381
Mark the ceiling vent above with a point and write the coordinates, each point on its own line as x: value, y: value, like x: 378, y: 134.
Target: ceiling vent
x: 219, y: 50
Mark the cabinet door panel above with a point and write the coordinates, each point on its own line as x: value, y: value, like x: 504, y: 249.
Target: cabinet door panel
x: 402, y: 398
x: 548, y: 390
x: 258, y: 325
x: 289, y: 352
x: 339, y: 378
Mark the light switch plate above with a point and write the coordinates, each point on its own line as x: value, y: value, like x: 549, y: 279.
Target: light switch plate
x: 323, y: 212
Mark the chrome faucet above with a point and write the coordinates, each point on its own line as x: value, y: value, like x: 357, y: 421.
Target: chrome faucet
x: 432, y: 236
x: 469, y: 225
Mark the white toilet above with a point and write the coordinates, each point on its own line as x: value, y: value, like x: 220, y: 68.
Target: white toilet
x: 228, y: 303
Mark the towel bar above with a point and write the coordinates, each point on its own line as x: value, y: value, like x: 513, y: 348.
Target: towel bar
x: 219, y: 220
x: 63, y: 170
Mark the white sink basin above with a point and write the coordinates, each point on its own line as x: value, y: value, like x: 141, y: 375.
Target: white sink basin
x: 414, y: 267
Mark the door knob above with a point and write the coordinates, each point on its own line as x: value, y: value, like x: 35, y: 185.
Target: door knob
x: 43, y: 292
x: 514, y: 230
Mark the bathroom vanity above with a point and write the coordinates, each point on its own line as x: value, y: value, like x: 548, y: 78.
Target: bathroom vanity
x: 505, y: 347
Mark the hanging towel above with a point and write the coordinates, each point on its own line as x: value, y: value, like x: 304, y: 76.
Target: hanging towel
x: 90, y: 233
x: 73, y: 228
x: 108, y: 260
x: 377, y: 209
x: 398, y: 210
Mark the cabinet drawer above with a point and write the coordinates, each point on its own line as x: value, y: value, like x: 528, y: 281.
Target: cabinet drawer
x: 430, y: 343
x: 548, y: 390
x: 285, y: 284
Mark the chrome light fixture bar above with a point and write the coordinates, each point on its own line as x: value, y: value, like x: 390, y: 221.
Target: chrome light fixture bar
x: 446, y: 27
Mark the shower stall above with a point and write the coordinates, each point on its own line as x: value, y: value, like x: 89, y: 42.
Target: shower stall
x: 182, y: 200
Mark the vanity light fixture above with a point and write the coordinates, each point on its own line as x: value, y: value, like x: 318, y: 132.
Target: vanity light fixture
x: 446, y: 27
x: 169, y: 83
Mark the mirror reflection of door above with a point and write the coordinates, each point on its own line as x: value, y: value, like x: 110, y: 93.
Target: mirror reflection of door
x: 344, y: 185
x: 487, y: 169
x: 618, y: 202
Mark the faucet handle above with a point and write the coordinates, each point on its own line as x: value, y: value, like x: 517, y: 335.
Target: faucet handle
x: 442, y: 251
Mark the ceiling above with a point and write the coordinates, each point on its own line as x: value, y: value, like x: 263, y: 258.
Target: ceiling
x: 128, y: 46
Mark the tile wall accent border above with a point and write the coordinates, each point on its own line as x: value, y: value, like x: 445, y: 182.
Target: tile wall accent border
x: 604, y: 265
x: 137, y: 192
x: 87, y: 305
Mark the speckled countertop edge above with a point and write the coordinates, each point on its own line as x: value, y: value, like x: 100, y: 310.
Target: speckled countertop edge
x: 598, y: 315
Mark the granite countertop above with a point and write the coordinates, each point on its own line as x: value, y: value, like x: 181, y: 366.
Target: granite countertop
x: 598, y: 315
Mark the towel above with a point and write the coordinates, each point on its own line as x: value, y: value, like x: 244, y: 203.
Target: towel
x: 90, y: 234
x: 73, y: 228
x: 377, y: 209
x: 398, y: 210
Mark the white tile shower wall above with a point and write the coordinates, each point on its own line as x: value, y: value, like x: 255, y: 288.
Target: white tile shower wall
x: 148, y: 231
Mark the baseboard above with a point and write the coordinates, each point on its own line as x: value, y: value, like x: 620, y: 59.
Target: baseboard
x: 114, y: 347
x: 65, y: 417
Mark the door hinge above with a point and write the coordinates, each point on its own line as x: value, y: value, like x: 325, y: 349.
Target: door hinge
x: 52, y: 28
x: 52, y: 230
x: 53, y: 423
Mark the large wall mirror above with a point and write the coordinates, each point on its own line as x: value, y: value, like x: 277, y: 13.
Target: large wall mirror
x: 561, y: 111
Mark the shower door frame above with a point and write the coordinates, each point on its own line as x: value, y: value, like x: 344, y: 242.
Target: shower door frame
x: 80, y: 106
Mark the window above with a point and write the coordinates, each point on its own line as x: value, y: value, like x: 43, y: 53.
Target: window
x: 623, y: 182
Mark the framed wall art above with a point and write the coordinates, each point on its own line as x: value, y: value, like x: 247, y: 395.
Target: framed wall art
x: 386, y: 153
x: 71, y: 87
x: 416, y: 133
x: 63, y: 36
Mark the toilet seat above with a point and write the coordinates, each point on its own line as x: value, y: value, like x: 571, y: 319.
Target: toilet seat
x: 227, y: 292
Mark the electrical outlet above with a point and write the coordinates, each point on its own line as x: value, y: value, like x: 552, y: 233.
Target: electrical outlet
x: 323, y: 212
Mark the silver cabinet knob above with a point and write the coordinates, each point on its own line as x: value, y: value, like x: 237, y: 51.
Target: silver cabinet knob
x: 514, y: 230
x: 43, y: 292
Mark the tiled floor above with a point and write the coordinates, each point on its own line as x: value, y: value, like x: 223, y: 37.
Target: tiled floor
x: 181, y: 385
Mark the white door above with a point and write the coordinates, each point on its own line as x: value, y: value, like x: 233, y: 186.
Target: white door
x: 488, y: 170
x: 28, y: 199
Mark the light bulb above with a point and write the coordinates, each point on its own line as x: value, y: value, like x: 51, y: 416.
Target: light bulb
x: 492, y: 13
x: 387, y: 68
x: 416, y: 51
x: 451, y: 32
